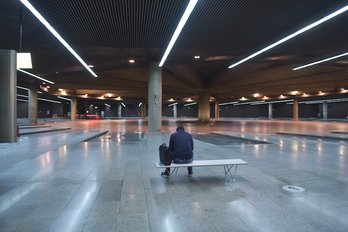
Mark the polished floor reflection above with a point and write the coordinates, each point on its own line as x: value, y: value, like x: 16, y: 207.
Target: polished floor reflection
x: 54, y: 181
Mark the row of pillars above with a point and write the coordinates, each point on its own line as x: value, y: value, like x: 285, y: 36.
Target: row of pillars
x: 8, y: 100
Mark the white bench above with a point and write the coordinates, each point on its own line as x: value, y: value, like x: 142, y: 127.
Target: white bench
x: 227, y: 163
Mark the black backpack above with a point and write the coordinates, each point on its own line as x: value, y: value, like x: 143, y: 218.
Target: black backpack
x: 165, y: 155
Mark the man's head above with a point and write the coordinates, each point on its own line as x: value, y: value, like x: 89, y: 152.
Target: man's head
x: 180, y: 128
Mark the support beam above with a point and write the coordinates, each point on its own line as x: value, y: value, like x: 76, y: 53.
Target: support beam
x: 8, y: 96
x: 270, y: 111
x: 203, y: 106
x: 73, y: 108
x: 295, y: 109
x: 32, y: 105
x: 325, y: 110
x: 217, y: 110
x: 155, y: 98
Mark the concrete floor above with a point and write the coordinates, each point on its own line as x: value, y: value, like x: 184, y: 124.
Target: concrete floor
x: 55, y: 182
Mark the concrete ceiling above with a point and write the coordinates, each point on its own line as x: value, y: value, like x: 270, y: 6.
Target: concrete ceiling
x: 108, y: 33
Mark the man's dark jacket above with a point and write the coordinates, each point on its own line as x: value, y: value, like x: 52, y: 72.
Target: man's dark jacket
x: 181, y: 145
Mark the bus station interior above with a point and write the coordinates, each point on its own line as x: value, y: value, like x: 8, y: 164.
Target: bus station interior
x: 85, y: 139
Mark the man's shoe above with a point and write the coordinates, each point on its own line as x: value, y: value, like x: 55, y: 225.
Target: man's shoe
x: 190, y: 174
x: 165, y: 174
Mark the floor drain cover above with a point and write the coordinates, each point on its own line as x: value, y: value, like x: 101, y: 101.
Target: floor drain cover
x: 292, y: 188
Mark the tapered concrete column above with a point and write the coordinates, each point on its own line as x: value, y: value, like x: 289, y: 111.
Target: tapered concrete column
x: 175, y: 111
x: 217, y: 110
x: 325, y: 109
x: 270, y: 111
x: 295, y: 109
x: 203, y: 106
x: 143, y: 110
x: 155, y: 98
x: 33, y: 104
x: 8, y: 96
x: 119, y: 110
x: 73, y: 108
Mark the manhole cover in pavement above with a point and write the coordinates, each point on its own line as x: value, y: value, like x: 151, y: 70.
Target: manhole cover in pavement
x: 292, y: 188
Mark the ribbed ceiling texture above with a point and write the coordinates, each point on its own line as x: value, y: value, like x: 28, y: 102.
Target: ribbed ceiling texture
x: 108, y: 33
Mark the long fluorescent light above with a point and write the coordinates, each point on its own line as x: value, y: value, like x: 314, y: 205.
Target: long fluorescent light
x: 55, y: 33
x: 190, y: 104
x: 228, y: 103
x: 64, y: 98
x: 36, y: 76
x: 340, y: 11
x: 42, y: 99
x: 20, y: 87
x: 320, y: 61
x: 22, y: 100
x: 181, y: 24
x: 173, y: 104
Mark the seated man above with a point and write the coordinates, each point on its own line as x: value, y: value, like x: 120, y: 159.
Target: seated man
x: 181, y: 146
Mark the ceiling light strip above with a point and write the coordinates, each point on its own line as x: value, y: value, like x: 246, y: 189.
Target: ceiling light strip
x: 320, y: 61
x: 190, y: 104
x: 181, y: 24
x: 228, y: 103
x: 65, y: 98
x: 340, y: 11
x: 36, y: 76
x: 42, y: 99
x: 55, y: 33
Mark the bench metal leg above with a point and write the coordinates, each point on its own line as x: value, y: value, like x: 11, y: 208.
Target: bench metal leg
x: 228, y: 172
x: 174, y: 170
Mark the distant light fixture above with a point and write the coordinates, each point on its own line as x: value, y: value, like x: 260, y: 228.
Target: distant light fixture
x: 243, y: 99
x: 265, y: 97
x: 107, y: 105
x: 189, y: 99
x: 86, y: 95
x: 131, y: 61
x: 256, y: 95
x: 340, y: 11
x: 281, y: 96
x: 171, y: 99
x: 109, y: 94
x: 320, y: 61
x: 197, y: 57
x: 140, y: 104
x: 304, y: 94
x: 294, y: 92
x: 91, y: 66
x: 24, y: 60
x: 320, y: 92
x: 181, y: 24
x: 36, y: 76
x: 55, y: 33
x: 118, y: 98
x: 123, y: 104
